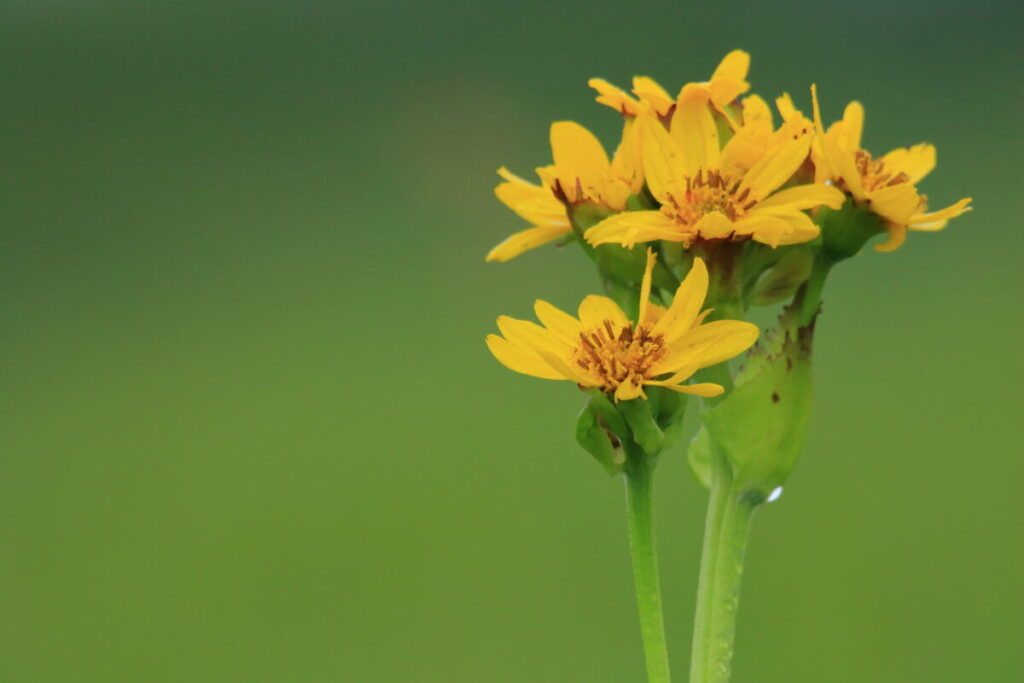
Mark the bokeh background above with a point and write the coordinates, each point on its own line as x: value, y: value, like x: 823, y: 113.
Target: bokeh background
x: 249, y: 430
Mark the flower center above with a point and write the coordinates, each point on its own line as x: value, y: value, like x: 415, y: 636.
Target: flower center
x: 613, y: 356
x: 706, y: 192
x: 874, y: 174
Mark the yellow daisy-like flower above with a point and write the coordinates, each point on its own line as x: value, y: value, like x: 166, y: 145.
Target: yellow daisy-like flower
x: 706, y: 194
x: 604, y: 349
x: 581, y: 173
x: 887, y: 184
x: 728, y: 82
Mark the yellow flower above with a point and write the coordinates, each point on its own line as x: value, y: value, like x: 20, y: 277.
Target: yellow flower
x: 708, y: 194
x: 728, y: 82
x: 604, y: 349
x: 887, y: 184
x: 581, y: 173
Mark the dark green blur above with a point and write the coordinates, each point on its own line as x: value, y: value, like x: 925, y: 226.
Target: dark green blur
x: 249, y: 430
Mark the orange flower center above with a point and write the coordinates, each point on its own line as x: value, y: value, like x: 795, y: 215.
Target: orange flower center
x: 615, y: 354
x: 706, y: 192
x: 874, y: 174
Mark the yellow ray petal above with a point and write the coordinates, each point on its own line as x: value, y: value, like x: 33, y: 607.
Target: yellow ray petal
x: 895, y: 203
x: 719, y: 341
x: 777, y: 167
x: 801, y: 227
x: 853, y: 124
x: 694, y: 129
x: 802, y: 197
x: 595, y: 309
x: 663, y: 162
x: 764, y: 227
x: 917, y: 161
x: 686, y: 304
x: 614, y: 97
x: 627, y: 391
x: 788, y: 112
x: 648, y: 90
x: 627, y: 163
x: 516, y: 244
x: 633, y: 226
x: 714, y: 226
x: 516, y: 190
x: 729, y: 80
x: 520, y: 360
x: 560, y: 323
x: 577, y: 154
x: 897, y: 236
x: 937, y: 219
x: 645, y: 287
x: 532, y: 336
x: 705, y: 390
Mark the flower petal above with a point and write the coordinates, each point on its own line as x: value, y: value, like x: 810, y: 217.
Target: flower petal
x: 853, y: 124
x: 714, y: 226
x: 917, y: 161
x: 529, y: 335
x: 897, y: 236
x: 578, y: 156
x: 803, y: 197
x: 631, y: 227
x: 520, y: 360
x: 694, y: 129
x: 516, y: 244
x: 648, y: 90
x: 627, y: 391
x: 895, y: 203
x: 777, y: 167
x: 560, y: 323
x: 645, y: 287
x: 664, y: 166
x: 704, y: 390
x: 614, y: 97
x: 595, y: 309
x: 686, y: 304
x: 729, y: 80
x: 936, y: 220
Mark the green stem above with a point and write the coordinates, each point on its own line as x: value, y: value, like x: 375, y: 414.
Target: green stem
x: 640, y: 512
x: 728, y: 524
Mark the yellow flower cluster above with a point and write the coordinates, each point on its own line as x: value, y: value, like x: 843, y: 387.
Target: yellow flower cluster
x: 706, y: 165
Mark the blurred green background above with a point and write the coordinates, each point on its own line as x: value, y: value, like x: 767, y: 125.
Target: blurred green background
x: 249, y: 430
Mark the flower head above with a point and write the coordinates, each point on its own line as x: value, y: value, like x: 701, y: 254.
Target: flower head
x: 728, y: 82
x: 708, y: 193
x: 887, y: 184
x: 581, y: 172
x: 603, y: 348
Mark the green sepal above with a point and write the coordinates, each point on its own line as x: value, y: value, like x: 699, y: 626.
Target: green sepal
x: 642, y: 424
x: 780, y: 281
x: 593, y: 436
x: 761, y: 425
x: 845, y: 232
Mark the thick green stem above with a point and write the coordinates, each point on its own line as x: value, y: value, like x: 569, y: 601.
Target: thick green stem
x: 640, y: 512
x: 728, y: 523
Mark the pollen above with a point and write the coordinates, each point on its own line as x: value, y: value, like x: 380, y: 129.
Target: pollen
x: 875, y: 174
x: 613, y: 354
